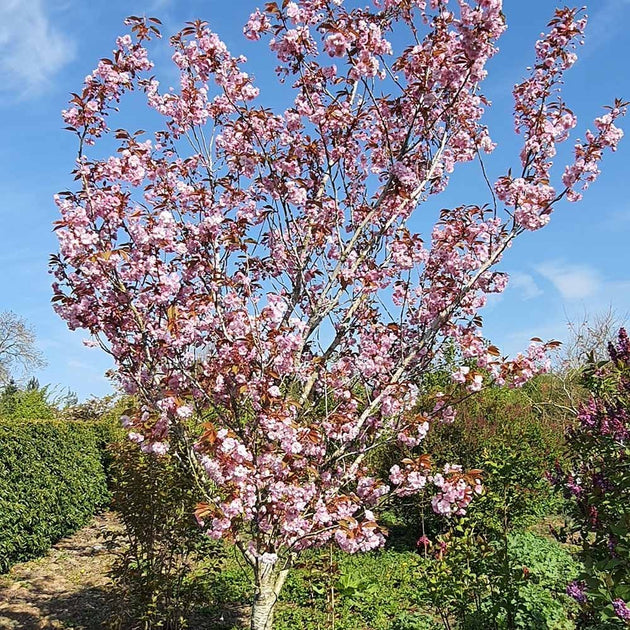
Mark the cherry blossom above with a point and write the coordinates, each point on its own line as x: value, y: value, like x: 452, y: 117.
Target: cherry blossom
x: 253, y: 272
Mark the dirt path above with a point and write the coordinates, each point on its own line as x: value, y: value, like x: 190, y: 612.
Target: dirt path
x: 68, y: 588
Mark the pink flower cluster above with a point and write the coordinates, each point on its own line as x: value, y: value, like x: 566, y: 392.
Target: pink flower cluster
x: 588, y: 155
x: 545, y: 121
x: 255, y: 272
x: 455, y: 490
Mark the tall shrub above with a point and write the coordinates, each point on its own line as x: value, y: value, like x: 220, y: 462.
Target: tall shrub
x: 598, y: 481
x: 158, y: 574
x: 52, y: 480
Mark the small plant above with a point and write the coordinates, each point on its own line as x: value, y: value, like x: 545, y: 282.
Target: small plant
x: 355, y: 587
x: 157, y: 573
x: 415, y: 621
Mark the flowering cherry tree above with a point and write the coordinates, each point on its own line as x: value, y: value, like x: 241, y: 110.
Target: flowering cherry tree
x: 254, y: 273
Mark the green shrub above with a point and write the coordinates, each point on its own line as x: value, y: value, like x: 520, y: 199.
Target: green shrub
x: 597, y: 481
x: 482, y: 586
x: 513, y: 439
x: 166, y: 563
x: 515, y: 443
x: 31, y: 402
x: 52, y: 480
x: 547, y: 567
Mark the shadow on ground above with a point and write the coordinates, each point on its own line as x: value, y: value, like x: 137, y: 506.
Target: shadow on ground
x: 95, y: 609
x: 70, y: 588
x: 87, y: 609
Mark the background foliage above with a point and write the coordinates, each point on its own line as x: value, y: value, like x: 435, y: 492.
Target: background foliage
x: 52, y: 479
x: 162, y: 571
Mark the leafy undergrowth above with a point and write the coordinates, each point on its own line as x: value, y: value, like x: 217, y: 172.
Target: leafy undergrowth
x: 388, y: 590
x: 384, y: 590
x: 374, y: 591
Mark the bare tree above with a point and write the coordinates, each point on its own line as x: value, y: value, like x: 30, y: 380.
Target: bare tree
x: 18, y: 349
x: 589, y: 337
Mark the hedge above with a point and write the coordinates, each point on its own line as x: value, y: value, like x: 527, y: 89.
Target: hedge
x: 52, y: 480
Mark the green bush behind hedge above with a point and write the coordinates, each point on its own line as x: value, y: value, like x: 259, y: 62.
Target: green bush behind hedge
x: 52, y: 480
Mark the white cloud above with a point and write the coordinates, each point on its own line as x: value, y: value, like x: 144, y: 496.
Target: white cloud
x: 574, y: 282
x: 32, y: 49
x: 525, y: 284
x: 605, y: 24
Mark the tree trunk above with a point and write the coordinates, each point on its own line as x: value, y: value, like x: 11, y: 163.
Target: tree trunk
x: 269, y: 582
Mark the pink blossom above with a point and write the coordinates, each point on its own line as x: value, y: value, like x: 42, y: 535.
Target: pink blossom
x: 255, y: 273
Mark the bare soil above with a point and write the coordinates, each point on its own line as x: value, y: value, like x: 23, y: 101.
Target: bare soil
x: 68, y: 589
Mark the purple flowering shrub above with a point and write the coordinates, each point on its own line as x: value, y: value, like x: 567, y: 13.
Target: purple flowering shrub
x: 598, y: 482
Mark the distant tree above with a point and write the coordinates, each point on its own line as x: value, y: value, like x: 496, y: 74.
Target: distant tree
x: 7, y: 399
x: 33, y: 402
x: 108, y: 407
x: 563, y: 391
x: 18, y: 349
x: 10, y: 388
x: 63, y: 398
x: 589, y: 337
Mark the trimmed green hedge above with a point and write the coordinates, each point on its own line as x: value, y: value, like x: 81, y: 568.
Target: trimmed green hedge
x: 52, y: 480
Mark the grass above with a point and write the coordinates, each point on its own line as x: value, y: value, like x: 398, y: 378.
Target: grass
x: 328, y: 589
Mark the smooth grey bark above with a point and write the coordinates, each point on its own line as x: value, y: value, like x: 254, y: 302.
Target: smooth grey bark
x: 269, y: 582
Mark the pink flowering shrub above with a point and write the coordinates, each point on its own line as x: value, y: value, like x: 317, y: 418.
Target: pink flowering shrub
x: 252, y: 270
x: 597, y: 480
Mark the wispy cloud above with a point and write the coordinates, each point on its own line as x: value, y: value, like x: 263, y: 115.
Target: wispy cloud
x: 32, y: 49
x: 525, y: 284
x: 605, y: 23
x: 617, y: 219
x: 77, y: 364
x: 574, y: 282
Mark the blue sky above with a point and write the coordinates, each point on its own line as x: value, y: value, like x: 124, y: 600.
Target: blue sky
x: 578, y: 264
